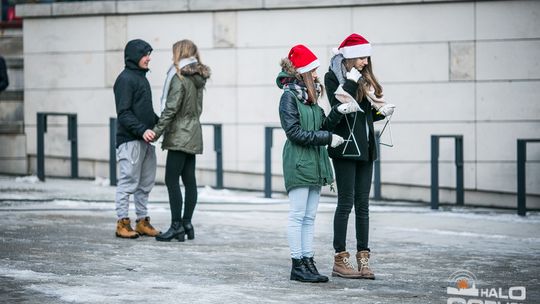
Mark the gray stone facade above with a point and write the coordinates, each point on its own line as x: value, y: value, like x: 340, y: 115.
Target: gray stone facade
x: 451, y: 67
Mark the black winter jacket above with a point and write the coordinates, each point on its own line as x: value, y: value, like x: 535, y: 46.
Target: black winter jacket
x: 290, y: 121
x: 348, y: 150
x: 4, y: 81
x: 133, y: 95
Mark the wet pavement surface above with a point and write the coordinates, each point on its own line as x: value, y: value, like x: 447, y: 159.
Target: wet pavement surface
x: 57, y: 245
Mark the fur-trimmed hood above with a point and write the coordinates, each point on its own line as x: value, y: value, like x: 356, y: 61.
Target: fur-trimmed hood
x: 287, y: 74
x: 196, y: 68
x: 198, y: 72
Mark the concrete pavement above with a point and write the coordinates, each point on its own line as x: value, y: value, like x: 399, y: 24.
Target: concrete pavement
x: 58, y: 246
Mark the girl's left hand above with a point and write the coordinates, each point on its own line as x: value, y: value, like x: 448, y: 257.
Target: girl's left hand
x: 387, y: 109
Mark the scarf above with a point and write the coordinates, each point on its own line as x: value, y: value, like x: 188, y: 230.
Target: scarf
x: 299, y: 89
x: 170, y: 74
x: 186, y: 61
x: 337, y: 66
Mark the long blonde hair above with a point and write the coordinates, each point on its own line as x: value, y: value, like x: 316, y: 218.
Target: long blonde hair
x: 369, y: 79
x: 184, y: 49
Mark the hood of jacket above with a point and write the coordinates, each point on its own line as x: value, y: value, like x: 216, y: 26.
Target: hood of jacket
x: 288, y: 73
x: 284, y: 78
x: 197, y: 72
x: 134, y: 51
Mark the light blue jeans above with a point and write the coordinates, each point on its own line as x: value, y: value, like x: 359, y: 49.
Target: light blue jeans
x: 302, y: 211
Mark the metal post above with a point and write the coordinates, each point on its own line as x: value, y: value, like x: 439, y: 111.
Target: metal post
x: 521, y: 191
x: 112, y: 151
x: 377, y: 170
x: 460, y: 195
x: 268, y: 162
x: 72, y: 136
x: 219, y: 155
x: 41, y: 129
x: 434, y: 172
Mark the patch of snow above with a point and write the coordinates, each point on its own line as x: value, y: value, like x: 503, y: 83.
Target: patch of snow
x: 26, y: 274
x: 465, y: 234
x: 102, y: 181
x: 31, y: 179
x: 208, y: 194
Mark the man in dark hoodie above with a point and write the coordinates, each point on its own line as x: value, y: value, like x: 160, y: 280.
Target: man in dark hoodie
x: 136, y: 156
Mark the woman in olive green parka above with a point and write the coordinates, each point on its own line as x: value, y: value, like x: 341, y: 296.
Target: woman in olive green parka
x: 182, y: 134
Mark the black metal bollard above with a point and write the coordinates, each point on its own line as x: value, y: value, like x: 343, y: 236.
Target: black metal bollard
x: 218, y: 148
x: 521, y: 188
x: 268, y: 142
x: 72, y: 137
x: 435, y: 169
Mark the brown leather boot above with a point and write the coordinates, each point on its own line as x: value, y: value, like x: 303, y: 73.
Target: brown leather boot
x: 362, y: 258
x: 343, y: 267
x: 124, y: 230
x: 143, y: 227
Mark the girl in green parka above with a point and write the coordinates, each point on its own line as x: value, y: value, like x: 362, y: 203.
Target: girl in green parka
x: 182, y: 134
x: 306, y: 166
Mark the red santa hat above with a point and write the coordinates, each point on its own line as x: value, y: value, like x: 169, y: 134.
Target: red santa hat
x: 303, y: 59
x: 355, y: 46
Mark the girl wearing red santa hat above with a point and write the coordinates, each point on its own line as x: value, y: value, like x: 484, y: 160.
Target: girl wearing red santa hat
x: 306, y: 166
x: 350, y: 80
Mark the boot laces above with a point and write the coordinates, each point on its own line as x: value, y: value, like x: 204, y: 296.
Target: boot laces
x: 364, y: 262
x: 148, y: 225
x: 348, y: 263
x: 128, y: 227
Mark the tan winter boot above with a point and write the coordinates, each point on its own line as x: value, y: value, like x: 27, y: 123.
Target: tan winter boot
x: 143, y: 227
x: 343, y: 267
x: 124, y: 230
x: 362, y: 258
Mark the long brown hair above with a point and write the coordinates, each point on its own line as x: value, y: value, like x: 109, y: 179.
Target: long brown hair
x: 310, y: 82
x: 368, y: 77
x: 306, y: 78
x: 184, y: 49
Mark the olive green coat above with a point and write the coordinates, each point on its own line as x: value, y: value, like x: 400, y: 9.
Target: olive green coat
x: 179, y: 122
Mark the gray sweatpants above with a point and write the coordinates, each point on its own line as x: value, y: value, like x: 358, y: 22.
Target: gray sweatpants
x: 137, y: 162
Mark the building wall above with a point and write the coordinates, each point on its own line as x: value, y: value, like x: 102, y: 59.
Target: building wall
x: 451, y: 67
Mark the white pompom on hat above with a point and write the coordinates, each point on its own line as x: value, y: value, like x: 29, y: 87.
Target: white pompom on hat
x: 303, y: 59
x: 355, y: 46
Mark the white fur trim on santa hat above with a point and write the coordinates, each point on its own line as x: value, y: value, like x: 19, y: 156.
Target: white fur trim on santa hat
x: 313, y: 65
x: 355, y: 51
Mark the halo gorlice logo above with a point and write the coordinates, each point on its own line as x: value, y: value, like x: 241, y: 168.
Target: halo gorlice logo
x: 462, y: 289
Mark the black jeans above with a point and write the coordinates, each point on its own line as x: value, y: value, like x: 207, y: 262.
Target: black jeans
x: 353, y: 179
x: 181, y: 164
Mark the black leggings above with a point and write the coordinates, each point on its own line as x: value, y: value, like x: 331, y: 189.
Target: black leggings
x: 353, y: 179
x: 181, y: 163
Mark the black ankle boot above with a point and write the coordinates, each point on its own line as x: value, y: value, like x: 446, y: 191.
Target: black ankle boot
x: 300, y: 272
x: 176, y: 231
x: 310, y: 264
x: 188, y: 227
